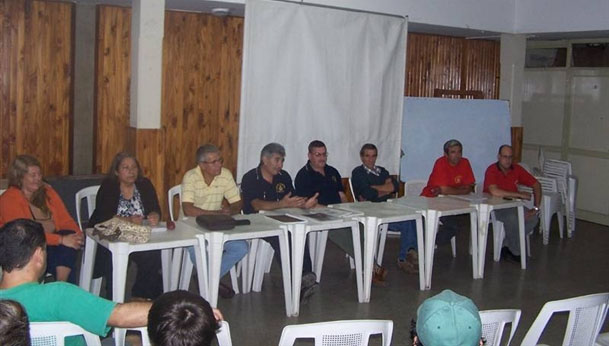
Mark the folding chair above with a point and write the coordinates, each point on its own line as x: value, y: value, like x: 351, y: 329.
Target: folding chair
x: 338, y: 333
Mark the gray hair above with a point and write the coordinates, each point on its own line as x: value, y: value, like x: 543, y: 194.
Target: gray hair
x: 452, y: 143
x: 204, y: 150
x: 272, y: 148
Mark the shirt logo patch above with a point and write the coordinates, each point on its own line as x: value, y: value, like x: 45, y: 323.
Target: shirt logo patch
x: 333, y: 178
x: 279, y: 188
x: 458, y: 179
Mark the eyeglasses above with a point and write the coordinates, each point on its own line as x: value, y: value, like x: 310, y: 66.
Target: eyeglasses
x: 320, y: 154
x: 220, y: 161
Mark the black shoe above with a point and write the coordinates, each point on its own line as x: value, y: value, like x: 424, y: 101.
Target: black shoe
x: 225, y: 292
x: 308, y: 279
x: 509, y: 256
x: 307, y: 292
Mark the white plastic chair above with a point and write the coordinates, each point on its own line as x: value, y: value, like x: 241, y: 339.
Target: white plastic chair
x: 551, y: 203
x: 493, y: 325
x: 339, y: 333
x: 567, y: 186
x: 54, y: 333
x: 223, y: 335
x: 499, y: 236
x: 586, y: 317
x: 187, y: 264
x: 2, y: 191
x: 89, y: 194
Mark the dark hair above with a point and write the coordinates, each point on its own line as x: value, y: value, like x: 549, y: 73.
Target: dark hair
x: 18, y: 241
x: 452, y: 143
x: 181, y: 318
x: 14, y: 324
x: 367, y: 146
x: 116, y: 162
x: 18, y: 170
x: 316, y: 144
x: 272, y: 148
x: 503, y: 146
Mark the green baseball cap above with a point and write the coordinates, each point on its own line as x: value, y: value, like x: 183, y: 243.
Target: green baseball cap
x: 448, y: 319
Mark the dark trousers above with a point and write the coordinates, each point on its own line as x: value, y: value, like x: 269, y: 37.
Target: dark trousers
x: 306, y: 263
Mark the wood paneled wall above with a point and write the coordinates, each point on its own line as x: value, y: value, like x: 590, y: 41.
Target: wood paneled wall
x: 453, y: 63
x: 36, y: 53
x: 200, y: 97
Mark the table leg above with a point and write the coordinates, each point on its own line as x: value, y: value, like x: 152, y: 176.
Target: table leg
x: 285, y: 270
x: 202, y: 267
x: 165, y: 269
x: 120, y: 260
x: 431, y: 228
x: 176, y: 263
x: 320, y: 252
x: 216, y: 247
x: 357, y: 256
x: 473, y: 221
x: 421, y: 250
x: 370, y: 234
x: 312, y: 239
x: 299, y: 237
x: 86, y: 271
x: 248, y: 271
x: 521, y: 230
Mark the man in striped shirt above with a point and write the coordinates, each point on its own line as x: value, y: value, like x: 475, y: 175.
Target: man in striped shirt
x: 205, y: 189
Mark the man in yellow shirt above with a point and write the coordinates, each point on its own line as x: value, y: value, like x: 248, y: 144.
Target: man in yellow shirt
x: 204, y: 190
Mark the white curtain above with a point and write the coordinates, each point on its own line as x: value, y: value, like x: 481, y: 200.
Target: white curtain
x: 321, y: 73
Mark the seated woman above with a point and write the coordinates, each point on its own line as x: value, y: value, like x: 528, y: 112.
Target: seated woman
x: 28, y: 197
x: 128, y: 195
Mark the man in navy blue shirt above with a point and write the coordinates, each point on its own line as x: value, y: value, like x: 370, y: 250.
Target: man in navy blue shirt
x: 269, y: 187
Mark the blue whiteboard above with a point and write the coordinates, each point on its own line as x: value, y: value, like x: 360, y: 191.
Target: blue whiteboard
x: 481, y: 125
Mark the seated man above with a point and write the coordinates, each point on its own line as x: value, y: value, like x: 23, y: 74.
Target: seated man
x: 447, y: 319
x: 14, y: 324
x: 23, y: 261
x: 204, y: 190
x: 373, y: 183
x: 501, y: 179
x: 269, y: 187
x: 451, y: 175
x: 181, y: 318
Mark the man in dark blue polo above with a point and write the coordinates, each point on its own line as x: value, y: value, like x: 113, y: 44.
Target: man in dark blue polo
x: 269, y: 187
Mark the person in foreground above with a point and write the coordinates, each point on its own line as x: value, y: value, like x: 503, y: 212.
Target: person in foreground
x: 373, y: 183
x: 204, y: 190
x: 130, y: 196
x: 23, y: 260
x: 181, y: 318
x: 447, y: 319
x: 269, y: 187
x: 501, y: 180
x: 29, y: 197
x: 14, y: 324
x: 451, y: 175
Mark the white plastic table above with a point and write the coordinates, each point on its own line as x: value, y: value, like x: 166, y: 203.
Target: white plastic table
x: 299, y: 231
x: 259, y: 227
x: 485, y: 204
x: 375, y: 215
x: 159, y: 240
x: 432, y: 209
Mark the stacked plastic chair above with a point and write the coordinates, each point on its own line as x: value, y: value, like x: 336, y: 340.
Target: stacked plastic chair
x: 567, y: 186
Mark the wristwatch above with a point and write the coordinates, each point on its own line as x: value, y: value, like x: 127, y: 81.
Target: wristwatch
x: 536, y: 208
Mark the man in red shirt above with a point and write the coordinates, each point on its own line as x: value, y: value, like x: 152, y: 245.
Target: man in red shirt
x: 501, y: 180
x: 451, y: 175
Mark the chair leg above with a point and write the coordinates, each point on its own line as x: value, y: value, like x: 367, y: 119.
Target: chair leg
x: 233, y: 279
x: 528, y: 240
x: 262, y: 262
x: 186, y: 274
x: 561, y: 223
x: 498, y: 235
x: 96, y: 286
x: 453, y: 245
x: 381, y: 246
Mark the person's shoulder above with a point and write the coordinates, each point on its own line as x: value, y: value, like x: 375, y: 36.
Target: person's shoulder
x: 465, y: 161
x: 226, y: 174
x: 249, y: 177
x: 332, y: 170
x: 11, y: 193
x: 357, y: 170
x: 492, y: 167
x: 284, y: 175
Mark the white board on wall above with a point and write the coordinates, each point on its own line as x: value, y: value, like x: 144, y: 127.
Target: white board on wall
x: 480, y: 125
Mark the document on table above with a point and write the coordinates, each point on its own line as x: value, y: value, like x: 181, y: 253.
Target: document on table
x: 285, y: 218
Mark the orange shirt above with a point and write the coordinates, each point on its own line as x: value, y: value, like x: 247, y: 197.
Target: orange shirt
x: 14, y: 205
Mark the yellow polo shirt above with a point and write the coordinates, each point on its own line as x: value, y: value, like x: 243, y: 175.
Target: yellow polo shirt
x: 209, y: 197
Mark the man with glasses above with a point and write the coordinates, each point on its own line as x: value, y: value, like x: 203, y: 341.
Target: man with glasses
x: 205, y: 189
x: 501, y: 180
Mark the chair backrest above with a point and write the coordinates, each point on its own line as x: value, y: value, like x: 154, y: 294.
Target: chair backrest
x: 414, y: 187
x: 54, y: 333
x: 343, y: 333
x: 547, y: 184
x: 176, y: 190
x: 586, y: 316
x: 493, y: 325
x: 223, y: 335
x: 352, y: 191
x: 2, y: 191
x: 89, y: 193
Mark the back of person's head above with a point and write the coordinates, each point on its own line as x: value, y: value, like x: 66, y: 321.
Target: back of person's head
x: 448, y: 319
x: 18, y: 241
x: 14, y: 324
x: 181, y: 318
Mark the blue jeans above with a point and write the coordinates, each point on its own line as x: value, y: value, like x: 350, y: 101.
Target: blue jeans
x: 234, y: 251
x: 408, y: 236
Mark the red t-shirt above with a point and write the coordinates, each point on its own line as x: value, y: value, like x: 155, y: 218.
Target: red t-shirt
x: 444, y: 174
x: 507, y: 181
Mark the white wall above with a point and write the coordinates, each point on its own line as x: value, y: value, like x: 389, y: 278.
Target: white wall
x: 561, y: 15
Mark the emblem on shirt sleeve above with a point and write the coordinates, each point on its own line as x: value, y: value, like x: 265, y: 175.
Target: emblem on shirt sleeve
x: 280, y: 188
